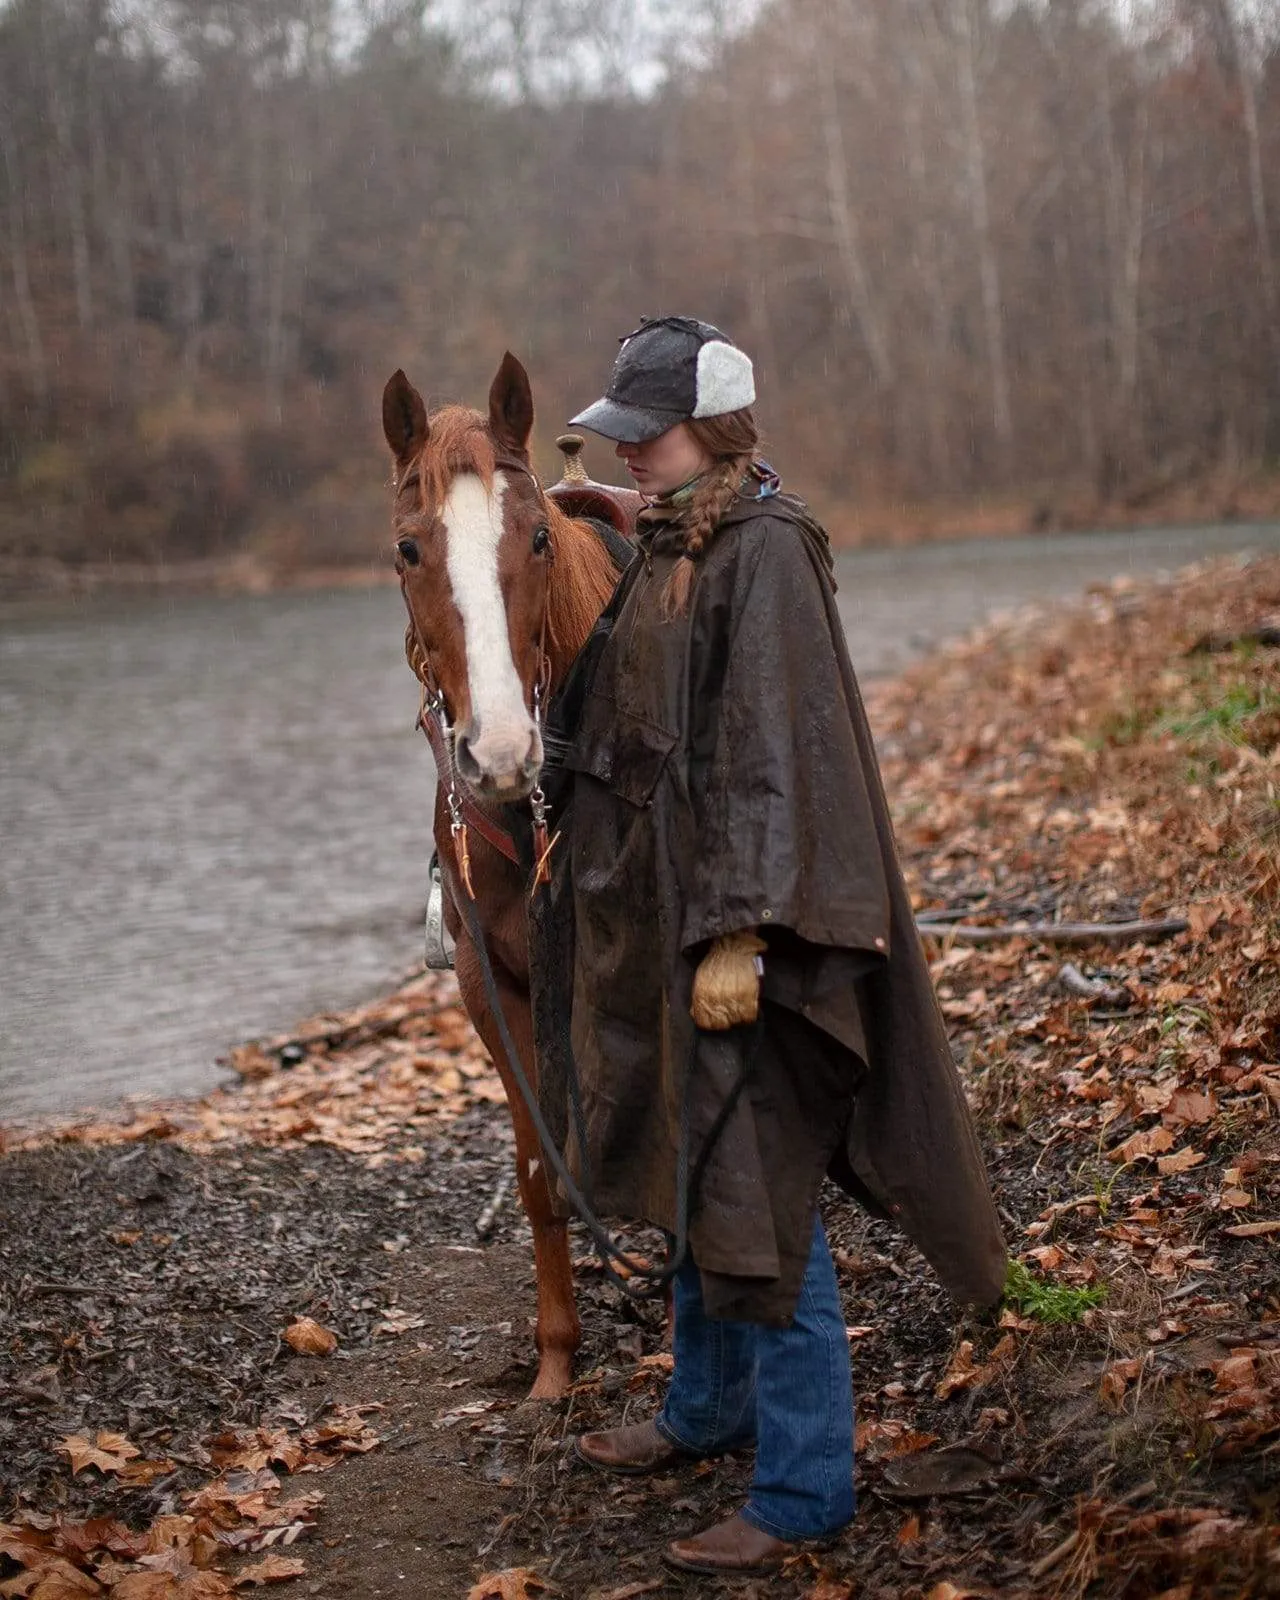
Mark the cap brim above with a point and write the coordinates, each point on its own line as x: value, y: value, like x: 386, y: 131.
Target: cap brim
x: 627, y: 424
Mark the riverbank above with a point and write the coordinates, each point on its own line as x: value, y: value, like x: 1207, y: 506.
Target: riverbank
x: 889, y: 524
x: 1113, y: 762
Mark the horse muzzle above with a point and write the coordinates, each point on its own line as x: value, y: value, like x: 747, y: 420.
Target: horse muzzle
x: 501, y: 765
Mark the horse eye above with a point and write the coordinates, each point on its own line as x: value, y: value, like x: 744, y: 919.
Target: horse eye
x: 541, y: 539
x: 408, y: 549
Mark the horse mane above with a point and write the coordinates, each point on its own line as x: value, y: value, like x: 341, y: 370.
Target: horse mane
x: 582, y: 579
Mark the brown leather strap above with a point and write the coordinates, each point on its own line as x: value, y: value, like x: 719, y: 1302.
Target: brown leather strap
x: 483, y: 824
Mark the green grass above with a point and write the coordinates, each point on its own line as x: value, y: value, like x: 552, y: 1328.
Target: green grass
x: 1048, y: 1302
x: 1225, y: 718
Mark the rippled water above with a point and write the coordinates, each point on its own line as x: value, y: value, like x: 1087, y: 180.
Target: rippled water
x: 215, y: 813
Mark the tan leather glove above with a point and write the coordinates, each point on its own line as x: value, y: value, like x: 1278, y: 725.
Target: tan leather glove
x: 726, y: 986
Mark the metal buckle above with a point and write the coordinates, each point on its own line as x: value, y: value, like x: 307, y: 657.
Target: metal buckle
x: 439, y: 941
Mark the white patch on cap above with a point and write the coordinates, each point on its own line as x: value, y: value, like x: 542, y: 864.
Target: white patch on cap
x: 725, y: 379
x: 473, y: 526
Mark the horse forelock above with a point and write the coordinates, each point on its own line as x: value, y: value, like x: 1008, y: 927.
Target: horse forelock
x: 458, y: 441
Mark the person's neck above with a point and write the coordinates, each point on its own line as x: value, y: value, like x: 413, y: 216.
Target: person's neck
x: 681, y: 495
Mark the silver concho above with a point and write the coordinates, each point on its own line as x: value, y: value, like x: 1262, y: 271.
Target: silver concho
x: 439, y: 941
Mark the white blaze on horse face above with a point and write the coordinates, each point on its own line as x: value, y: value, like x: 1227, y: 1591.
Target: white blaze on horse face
x: 502, y: 738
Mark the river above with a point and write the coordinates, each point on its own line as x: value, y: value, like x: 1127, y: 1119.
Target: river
x: 215, y: 811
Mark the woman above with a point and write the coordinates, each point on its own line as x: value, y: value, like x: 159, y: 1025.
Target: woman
x: 747, y: 981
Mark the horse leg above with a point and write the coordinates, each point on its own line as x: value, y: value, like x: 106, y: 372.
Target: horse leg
x: 558, y: 1329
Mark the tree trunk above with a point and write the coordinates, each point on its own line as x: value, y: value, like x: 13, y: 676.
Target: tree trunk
x: 979, y: 212
x: 24, y: 305
x: 860, y: 301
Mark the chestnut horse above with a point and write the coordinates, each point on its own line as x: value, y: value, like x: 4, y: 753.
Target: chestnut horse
x: 503, y: 589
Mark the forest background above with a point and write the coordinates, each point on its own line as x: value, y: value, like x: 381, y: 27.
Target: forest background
x: 1000, y: 265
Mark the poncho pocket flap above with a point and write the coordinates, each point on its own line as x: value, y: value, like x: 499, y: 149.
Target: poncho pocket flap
x: 622, y: 750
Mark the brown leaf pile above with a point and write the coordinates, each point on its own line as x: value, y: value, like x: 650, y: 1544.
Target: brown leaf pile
x: 1101, y: 764
x: 183, y: 1556
x: 360, y: 1082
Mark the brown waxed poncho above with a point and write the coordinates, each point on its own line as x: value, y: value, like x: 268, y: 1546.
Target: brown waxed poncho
x: 725, y: 778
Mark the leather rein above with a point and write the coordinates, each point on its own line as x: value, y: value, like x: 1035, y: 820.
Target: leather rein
x: 465, y: 812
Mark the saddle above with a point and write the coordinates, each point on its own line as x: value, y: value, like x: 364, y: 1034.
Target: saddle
x: 602, y: 503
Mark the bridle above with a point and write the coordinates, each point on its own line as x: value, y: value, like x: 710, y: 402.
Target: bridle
x: 465, y: 812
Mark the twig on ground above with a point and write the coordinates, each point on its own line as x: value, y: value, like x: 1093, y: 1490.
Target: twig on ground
x: 1055, y: 932
x: 1108, y: 994
x: 1058, y: 1553
x: 1266, y: 633
x: 485, y: 1221
x: 85, y: 1289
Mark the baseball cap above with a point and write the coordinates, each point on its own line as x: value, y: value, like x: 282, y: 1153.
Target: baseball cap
x: 669, y: 370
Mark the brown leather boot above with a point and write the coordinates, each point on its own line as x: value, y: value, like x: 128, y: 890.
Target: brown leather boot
x: 632, y: 1450
x: 731, y: 1546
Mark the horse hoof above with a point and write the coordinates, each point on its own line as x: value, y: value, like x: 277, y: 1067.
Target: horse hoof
x: 553, y: 1381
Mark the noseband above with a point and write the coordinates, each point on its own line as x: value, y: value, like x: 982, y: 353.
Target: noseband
x: 435, y: 721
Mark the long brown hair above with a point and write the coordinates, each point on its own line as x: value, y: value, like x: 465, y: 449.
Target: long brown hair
x: 730, y: 440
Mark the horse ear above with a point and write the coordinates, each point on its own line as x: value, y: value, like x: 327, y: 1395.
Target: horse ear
x: 404, y: 417
x: 511, y: 406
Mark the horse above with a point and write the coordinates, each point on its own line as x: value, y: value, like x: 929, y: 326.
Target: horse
x: 503, y: 587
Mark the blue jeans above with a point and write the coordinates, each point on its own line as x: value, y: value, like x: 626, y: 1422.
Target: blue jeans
x: 788, y: 1389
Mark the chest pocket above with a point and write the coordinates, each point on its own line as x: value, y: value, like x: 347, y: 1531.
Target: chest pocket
x: 624, y: 751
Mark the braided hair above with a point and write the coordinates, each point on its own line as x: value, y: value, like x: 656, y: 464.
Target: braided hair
x: 730, y: 440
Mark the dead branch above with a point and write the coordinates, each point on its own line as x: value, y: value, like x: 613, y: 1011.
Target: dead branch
x: 1055, y: 932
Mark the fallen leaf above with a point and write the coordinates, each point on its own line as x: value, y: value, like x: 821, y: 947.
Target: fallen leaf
x: 1253, y: 1230
x: 52, y: 1579
x: 1235, y: 1199
x: 395, y: 1322
x: 473, y: 1408
x: 512, y: 1583
x: 1147, y: 1143
x: 1174, y: 993
x: 188, y: 1585
x: 1180, y: 1161
x: 141, y: 1473
x: 1189, y: 1106
x: 310, y: 1338
x: 109, y: 1452
x: 1116, y: 1379
x: 252, y: 1451
x: 961, y: 1374
x: 1236, y: 1372
x: 272, y: 1569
